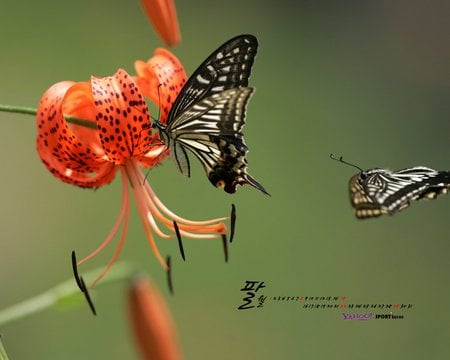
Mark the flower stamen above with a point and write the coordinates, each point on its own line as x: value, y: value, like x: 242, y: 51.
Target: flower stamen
x: 122, y: 237
x: 75, y: 270
x: 211, y: 228
x: 169, y: 274
x: 123, y: 210
x: 180, y: 242
x: 87, y: 296
x: 174, y: 216
x: 225, y: 247
x: 152, y: 209
x: 80, y: 282
x: 208, y: 229
x: 232, y: 222
x: 131, y: 171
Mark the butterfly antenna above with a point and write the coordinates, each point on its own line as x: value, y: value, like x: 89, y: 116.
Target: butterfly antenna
x: 159, y: 101
x: 345, y: 162
x: 153, y: 126
x: 159, y: 104
x: 159, y: 107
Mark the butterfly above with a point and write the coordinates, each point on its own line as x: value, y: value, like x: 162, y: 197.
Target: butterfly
x: 208, y: 115
x: 378, y: 192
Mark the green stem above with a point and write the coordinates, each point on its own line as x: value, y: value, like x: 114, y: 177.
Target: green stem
x: 63, y: 293
x: 82, y: 122
x: 18, y: 109
x: 3, y: 355
x: 32, y: 111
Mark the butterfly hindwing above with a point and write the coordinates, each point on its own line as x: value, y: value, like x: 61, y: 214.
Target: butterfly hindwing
x: 181, y: 159
x: 211, y: 130
x: 379, y: 191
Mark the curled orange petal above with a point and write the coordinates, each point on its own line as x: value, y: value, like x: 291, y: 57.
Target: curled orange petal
x: 122, y: 117
x: 72, y: 153
x: 160, y: 79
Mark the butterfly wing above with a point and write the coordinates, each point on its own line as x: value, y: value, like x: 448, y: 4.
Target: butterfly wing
x: 211, y: 130
x: 208, y: 115
x: 226, y: 68
x: 379, y: 191
x: 363, y: 204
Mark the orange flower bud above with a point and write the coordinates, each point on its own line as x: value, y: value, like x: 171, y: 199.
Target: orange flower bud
x: 163, y: 15
x: 152, y: 324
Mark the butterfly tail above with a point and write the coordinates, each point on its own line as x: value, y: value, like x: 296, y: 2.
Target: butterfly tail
x: 252, y: 182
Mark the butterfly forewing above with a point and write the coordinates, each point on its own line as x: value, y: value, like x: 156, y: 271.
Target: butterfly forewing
x: 226, y: 68
x: 363, y: 204
x: 379, y: 191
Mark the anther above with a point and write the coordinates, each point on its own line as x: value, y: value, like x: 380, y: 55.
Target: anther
x: 225, y: 246
x: 169, y: 275
x: 75, y: 270
x: 180, y: 242
x: 87, y: 296
x: 232, y: 222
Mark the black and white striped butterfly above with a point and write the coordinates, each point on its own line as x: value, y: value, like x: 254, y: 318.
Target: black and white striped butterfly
x: 379, y: 192
x: 208, y: 115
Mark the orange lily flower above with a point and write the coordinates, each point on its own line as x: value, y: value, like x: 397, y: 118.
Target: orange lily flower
x: 121, y: 140
x: 163, y: 15
x: 152, y: 323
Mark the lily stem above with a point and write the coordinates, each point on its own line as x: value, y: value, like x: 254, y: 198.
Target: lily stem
x: 3, y: 355
x: 18, y: 109
x: 61, y: 294
x: 32, y: 111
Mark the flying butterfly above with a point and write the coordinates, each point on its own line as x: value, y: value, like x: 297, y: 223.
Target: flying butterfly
x: 379, y: 192
x: 208, y: 115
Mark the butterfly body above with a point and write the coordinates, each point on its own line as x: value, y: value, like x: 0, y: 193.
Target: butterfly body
x: 208, y: 114
x: 378, y: 192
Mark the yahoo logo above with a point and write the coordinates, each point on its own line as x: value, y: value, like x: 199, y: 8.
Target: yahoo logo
x: 356, y: 316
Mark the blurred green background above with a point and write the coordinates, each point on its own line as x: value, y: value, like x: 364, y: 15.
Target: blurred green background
x: 368, y: 80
